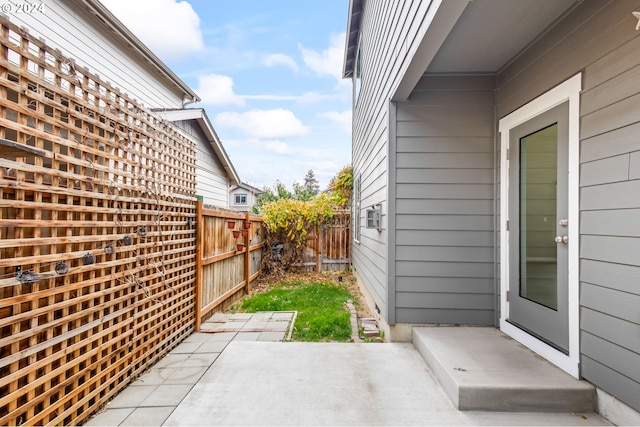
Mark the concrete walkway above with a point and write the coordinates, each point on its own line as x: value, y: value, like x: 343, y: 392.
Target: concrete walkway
x: 232, y: 377
x: 150, y: 399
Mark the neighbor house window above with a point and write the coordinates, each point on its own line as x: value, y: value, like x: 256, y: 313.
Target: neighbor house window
x: 356, y: 209
x: 241, y: 199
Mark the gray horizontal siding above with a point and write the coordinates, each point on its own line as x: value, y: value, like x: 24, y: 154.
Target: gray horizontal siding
x: 446, y: 315
x: 596, y: 348
x: 616, y: 142
x: 620, y: 222
x: 381, y: 70
x: 445, y: 206
x: 598, y: 38
x: 594, y: 29
x: 611, y: 169
x: 448, y: 285
x: 621, y: 386
x: 468, y: 222
x: 620, y: 277
x: 440, y: 238
x: 610, y: 229
x: 445, y: 215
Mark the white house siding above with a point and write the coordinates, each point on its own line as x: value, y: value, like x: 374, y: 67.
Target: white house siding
x: 599, y: 38
x: 382, y: 66
x: 252, y: 198
x: 241, y: 207
x: 445, y: 202
x: 66, y: 25
x: 212, y: 182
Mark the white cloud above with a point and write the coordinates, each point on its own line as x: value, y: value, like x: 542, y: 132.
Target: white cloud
x: 263, y: 124
x: 269, y: 146
x: 277, y: 147
x: 217, y: 90
x: 329, y: 61
x: 306, y: 98
x: 150, y: 20
x: 314, y: 98
x: 343, y: 119
x: 280, y: 59
x: 268, y: 97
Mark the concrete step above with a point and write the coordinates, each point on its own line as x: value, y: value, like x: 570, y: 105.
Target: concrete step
x: 482, y: 369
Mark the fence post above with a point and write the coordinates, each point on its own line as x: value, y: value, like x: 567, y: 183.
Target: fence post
x: 247, y: 256
x: 318, y: 246
x: 199, y: 233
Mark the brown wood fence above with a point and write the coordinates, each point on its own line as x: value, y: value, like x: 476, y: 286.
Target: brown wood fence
x: 98, y: 223
x: 229, y: 258
x: 332, y: 251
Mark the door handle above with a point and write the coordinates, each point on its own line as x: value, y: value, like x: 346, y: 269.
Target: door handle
x: 562, y: 239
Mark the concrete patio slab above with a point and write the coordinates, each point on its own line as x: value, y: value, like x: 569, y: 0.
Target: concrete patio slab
x: 218, y: 336
x: 199, y: 359
x: 271, y: 336
x: 148, y: 416
x: 247, y: 336
x: 171, y: 360
x: 255, y: 382
x: 186, y: 348
x: 132, y: 396
x: 183, y: 375
x: 112, y: 417
x: 260, y: 383
x: 167, y: 395
x: 213, y: 346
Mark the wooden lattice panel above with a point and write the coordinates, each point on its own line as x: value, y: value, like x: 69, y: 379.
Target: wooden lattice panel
x: 97, y: 242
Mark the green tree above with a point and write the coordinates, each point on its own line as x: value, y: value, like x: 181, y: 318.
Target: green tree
x: 279, y: 191
x: 302, y: 192
x: 341, y: 187
x: 311, y: 183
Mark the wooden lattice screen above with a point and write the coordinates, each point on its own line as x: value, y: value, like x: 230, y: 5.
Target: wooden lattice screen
x: 97, y: 236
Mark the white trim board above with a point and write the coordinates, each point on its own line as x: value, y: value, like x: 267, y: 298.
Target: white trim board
x: 566, y: 91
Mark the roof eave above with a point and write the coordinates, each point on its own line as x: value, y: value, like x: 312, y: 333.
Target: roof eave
x: 351, y: 42
x: 112, y: 23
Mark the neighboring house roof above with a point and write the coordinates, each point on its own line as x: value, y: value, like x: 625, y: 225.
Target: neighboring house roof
x: 200, y: 116
x: 103, y: 15
x: 247, y: 187
x: 353, y: 28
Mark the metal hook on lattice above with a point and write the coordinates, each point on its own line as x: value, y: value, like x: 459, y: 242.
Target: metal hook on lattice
x: 27, y: 277
x: 142, y: 231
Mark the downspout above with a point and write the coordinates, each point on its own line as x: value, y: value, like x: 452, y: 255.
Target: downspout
x: 391, y: 215
x: 496, y: 211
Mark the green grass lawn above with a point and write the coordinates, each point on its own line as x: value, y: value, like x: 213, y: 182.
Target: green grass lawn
x: 322, y: 315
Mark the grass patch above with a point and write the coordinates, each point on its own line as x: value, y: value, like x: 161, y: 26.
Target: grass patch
x: 322, y: 315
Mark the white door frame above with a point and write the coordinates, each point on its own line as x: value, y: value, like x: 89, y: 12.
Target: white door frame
x: 567, y: 91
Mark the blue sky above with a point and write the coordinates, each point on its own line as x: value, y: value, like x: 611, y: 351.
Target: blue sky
x: 269, y: 75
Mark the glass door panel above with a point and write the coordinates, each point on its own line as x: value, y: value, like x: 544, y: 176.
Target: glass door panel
x: 538, y: 197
